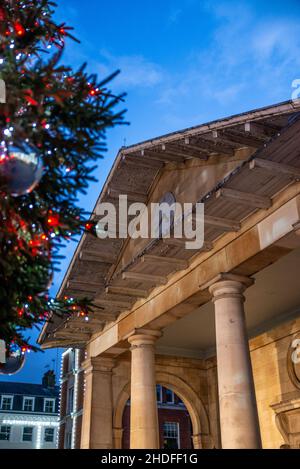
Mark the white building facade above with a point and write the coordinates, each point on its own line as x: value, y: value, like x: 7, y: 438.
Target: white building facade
x: 29, y: 414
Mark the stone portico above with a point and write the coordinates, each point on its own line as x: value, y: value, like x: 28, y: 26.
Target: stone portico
x: 218, y: 325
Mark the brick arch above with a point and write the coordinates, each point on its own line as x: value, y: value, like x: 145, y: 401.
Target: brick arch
x: 193, y: 403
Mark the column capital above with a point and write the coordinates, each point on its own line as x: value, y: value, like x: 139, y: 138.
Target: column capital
x: 100, y: 364
x: 143, y: 337
x: 227, y: 284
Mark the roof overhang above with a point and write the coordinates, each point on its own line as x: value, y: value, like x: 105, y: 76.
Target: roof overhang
x: 266, y: 132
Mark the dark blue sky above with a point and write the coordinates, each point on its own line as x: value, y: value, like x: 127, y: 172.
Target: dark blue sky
x: 183, y: 62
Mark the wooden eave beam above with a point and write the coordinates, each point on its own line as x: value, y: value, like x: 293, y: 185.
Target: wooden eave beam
x: 88, y: 326
x: 81, y: 328
x: 244, y: 198
x: 224, y: 224
x: 92, y: 321
x: 277, y: 169
x: 197, y: 152
x: 83, y: 286
x: 115, y: 192
x: 187, y: 144
x: 103, y: 316
x: 162, y: 260
x: 219, y: 137
x: 96, y: 256
x: 162, y: 156
x: 261, y: 130
x: 113, y: 303
x: 142, y: 162
x: 126, y: 291
x: 180, y: 151
x: 147, y: 278
x: 243, y: 139
x: 65, y: 334
x: 180, y: 242
x: 214, y: 146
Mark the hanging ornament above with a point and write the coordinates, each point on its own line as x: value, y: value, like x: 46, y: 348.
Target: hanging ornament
x: 14, y: 361
x: 53, y: 219
x: 91, y: 227
x: 19, y: 29
x: 39, y: 244
x: 21, y: 169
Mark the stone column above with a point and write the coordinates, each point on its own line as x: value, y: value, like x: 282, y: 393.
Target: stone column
x: 144, y: 432
x: 97, y: 424
x: 237, y: 401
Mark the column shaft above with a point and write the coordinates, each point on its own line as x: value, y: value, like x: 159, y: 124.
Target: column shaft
x: 144, y: 432
x: 97, y: 425
x: 237, y: 402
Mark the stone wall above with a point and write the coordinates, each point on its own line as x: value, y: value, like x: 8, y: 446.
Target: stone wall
x: 271, y: 362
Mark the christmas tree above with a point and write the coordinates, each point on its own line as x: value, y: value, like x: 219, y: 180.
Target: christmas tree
x: 53, y: 125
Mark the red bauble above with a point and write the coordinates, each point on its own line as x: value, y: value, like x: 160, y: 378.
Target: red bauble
x: 53, y: 219
x: 88, y: 226
x: 19, y: 29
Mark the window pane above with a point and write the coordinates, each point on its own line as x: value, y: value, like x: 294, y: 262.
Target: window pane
x: 28, y: 404
x: 169, y: 396
x: 171, y: 429
x: 70, y: 400
x: 49, y: 405
x: 171, y: 434
x: 49, y: 435
x: 6, y: 403
x: 158, y: 393
x: 5, y: 432
x: 71, y: 360
x: 27, y: 433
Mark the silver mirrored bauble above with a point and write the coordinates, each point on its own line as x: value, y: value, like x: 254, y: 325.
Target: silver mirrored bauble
x: 21, y: 169
x: 14, y: 362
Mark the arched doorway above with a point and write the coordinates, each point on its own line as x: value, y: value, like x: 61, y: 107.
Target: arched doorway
x: 183, y: 391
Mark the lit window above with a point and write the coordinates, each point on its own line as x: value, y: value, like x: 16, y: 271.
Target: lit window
x: 171, y: 435
x: 49, y: 405
x: 158, y: 393
x: 71, y: 364
x: 169, y: 396
x: 70, y: 400
x: 28, y: 404
x: 27, y: 434
x: 5, y: 432
x: 49, y: 435
x: 6, y: 402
